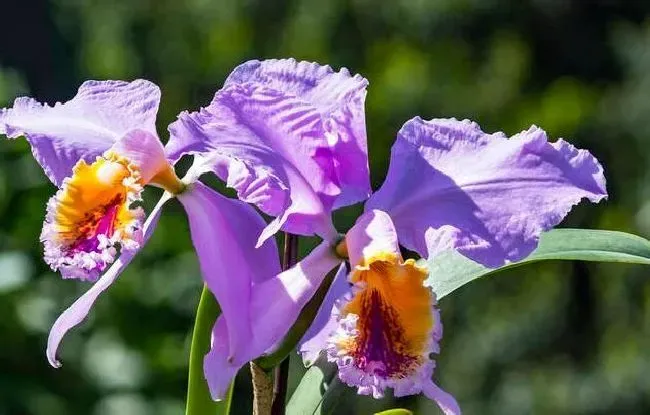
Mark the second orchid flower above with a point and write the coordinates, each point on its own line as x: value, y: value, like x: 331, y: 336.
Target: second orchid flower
x: 290, y: 137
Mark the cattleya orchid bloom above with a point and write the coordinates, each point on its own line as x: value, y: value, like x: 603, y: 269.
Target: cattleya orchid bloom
x: 100, y: 149
x: 449, y: 186
x: 487, y: 196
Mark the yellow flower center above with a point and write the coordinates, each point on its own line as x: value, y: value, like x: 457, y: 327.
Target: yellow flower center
x: 96, y: 200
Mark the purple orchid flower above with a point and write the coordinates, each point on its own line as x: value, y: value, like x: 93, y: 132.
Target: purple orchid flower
x: 487, y: 196
x: 273, y: 133
x: 100, y: 149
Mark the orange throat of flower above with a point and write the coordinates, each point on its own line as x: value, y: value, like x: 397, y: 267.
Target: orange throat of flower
x: 92, y: 215
x: 386, y: 330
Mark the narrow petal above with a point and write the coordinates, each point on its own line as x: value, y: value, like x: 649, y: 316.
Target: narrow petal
x: 218, y: 369
x: 78, y: 311
x: 274, y: 306
x: 450, y: 185
x: 224, y: 232
x: 445, y: 401
x: 85, y: 126
x: 288, y: 136
x: 314, y: 341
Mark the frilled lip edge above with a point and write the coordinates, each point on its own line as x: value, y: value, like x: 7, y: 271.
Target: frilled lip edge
x: 84, y: 264
x: 420, y: 381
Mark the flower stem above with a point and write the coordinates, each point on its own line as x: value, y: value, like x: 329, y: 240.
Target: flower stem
x: 262, y: 390
x: 281, y: 372
x: 199, y: 400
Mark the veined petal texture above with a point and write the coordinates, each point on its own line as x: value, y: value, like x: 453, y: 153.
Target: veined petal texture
x: 452, y: 186
x: 339, y: 97
x: 288, y: 136
x: 84, y: 127
x: 224, y: 232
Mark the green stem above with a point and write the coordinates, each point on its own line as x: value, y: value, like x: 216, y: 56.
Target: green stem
x: 199, y: 401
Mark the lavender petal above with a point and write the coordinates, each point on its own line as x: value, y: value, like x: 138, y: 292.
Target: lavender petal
x: 452, y: 186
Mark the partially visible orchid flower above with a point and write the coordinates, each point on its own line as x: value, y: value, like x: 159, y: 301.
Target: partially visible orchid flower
x: 449, y: 186
x: 100, y: 149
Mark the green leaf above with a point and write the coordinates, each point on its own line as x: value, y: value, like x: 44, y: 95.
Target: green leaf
x: 199, y: 401
x: 450, y: 270
x: 314, y: 385
x: 396, y: 411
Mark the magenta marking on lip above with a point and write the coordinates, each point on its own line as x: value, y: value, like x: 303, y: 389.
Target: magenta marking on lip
x: 377, y: 351
x: 105, y: 226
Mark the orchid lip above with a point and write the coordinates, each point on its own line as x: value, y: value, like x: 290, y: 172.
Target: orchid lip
x: 92, y: 217
x: 387, y: 328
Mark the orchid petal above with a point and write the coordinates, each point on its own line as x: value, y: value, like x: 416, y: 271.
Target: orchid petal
x: 451, y: 186
x: 446, y: 402
x: 218, y: 369
x: 339, y: 96
x: 224, y: 232
x: 290, y: 139
x: 372, y: 235
x: 85, y: 126
x: 326, y: 321
x: 274, y: 306
x: 144, y: 150
x: 78, y: 311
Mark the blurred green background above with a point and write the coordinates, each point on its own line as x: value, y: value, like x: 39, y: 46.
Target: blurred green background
x: 558, y: 338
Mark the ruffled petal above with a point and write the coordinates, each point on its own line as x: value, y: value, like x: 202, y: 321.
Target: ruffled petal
x: 78, y: 311
x: 224, y: 232
x: 274, y: 306
x: 384, y: 333
x: 339, y: 96
x: 85, y: 126
x: 292, y: 144
x: 450, y: 185
x: 387, y: 330
x: 314, y: 341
